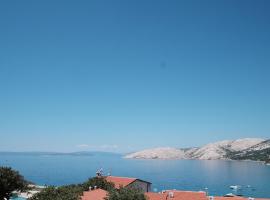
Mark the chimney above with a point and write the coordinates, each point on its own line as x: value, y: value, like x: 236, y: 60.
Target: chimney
x: 99, y: 172
x: 90, y: 188
x: 171, y: 194
x: 95, y: 187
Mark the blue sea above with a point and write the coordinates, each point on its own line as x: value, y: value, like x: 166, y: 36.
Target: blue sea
x: 18, y: 198
x: 216, y: 176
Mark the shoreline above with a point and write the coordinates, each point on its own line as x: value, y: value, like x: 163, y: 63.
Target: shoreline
x: 256, y: 161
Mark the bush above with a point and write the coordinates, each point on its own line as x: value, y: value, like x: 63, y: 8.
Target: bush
x: 126, y: 194
x: 72, y: 192
x: 100, y: 182
x: 10, y: 180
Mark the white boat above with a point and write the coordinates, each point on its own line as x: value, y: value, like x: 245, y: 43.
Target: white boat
x: 229, y: 195
x: 235, y: 187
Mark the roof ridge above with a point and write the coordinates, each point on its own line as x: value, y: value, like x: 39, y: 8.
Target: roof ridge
x: 122, y: 177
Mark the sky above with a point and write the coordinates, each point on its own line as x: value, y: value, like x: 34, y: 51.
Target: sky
x: 127, y: 75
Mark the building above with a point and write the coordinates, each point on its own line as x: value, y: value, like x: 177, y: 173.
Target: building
x: 97, y: 194
x: 176, y: 195
x: 145, y: 186
x: 189, y: 195
x: 237, y: 198
x: 135, y: 183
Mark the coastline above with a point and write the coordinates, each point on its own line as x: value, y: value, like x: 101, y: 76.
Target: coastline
x: 225, y: 159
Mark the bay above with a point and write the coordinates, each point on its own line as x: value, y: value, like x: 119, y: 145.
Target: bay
x: 216, y: 175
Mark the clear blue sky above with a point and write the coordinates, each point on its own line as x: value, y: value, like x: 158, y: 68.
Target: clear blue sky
x: 127, y: 75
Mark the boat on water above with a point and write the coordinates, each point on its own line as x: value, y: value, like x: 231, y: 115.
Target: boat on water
x: 235, y: 187
x: 229, y: 195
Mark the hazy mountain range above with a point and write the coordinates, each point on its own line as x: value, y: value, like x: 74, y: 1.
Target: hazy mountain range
x: 40, y: 153
x: 241, y: 149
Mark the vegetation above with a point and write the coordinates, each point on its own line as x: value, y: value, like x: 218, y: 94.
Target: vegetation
x: 126, y: 194
x: 259, y: 155
x: 99, y: 182
x: 10, y: 180
x: 72, y: 192
x: 251, y: 153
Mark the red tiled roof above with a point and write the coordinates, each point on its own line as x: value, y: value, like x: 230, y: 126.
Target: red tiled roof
x: 260, y: 199
x: 177, y: 195
x: 155, y: 196
x: 229, y: 198
x: 97, y: 194
x: 120, y: 181
x: 100, y: 194
x: 236, y: 198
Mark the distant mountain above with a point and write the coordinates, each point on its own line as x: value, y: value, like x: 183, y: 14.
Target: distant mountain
x: 221, y: 150
x: 228, y: 149
x: 79, y: 153
x: 261, y: 146
x: 159, y: 153
x: 258, y: 152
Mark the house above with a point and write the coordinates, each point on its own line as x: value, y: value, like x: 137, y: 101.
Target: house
x: 135, y: 183
x: 97, y: 194
x: 176, y: 195
x: 189, y: 195
x: 237, y: 198
x: 228, y: 198
x: 145, y: 186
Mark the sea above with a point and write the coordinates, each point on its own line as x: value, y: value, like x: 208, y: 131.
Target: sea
x: 212, y: 176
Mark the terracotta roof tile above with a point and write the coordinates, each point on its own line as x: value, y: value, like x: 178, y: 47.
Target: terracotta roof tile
x: 97, y: 194
x: 155, y: 196
x: 120, y: 181
x: 177, y: 195
x: 236, y: 198
x: 229, y: 198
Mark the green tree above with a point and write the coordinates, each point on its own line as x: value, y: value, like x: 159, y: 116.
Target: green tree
x: 10, y: 180
x: 72, y: 192
x: 125, y: 194
x: 99, y: 182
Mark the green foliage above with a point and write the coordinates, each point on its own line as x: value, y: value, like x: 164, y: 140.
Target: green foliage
x: 72, y: 192
x: 126, y: 194
x: 259, y: 155
x: 259, y: 152
x: 100, y: 182
x: 10, y: 180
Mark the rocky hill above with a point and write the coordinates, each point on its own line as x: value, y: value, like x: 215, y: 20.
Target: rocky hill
x: 258, y: 152
x: 221, y: 150
x: 247, y: 148
x: 159, y: 153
